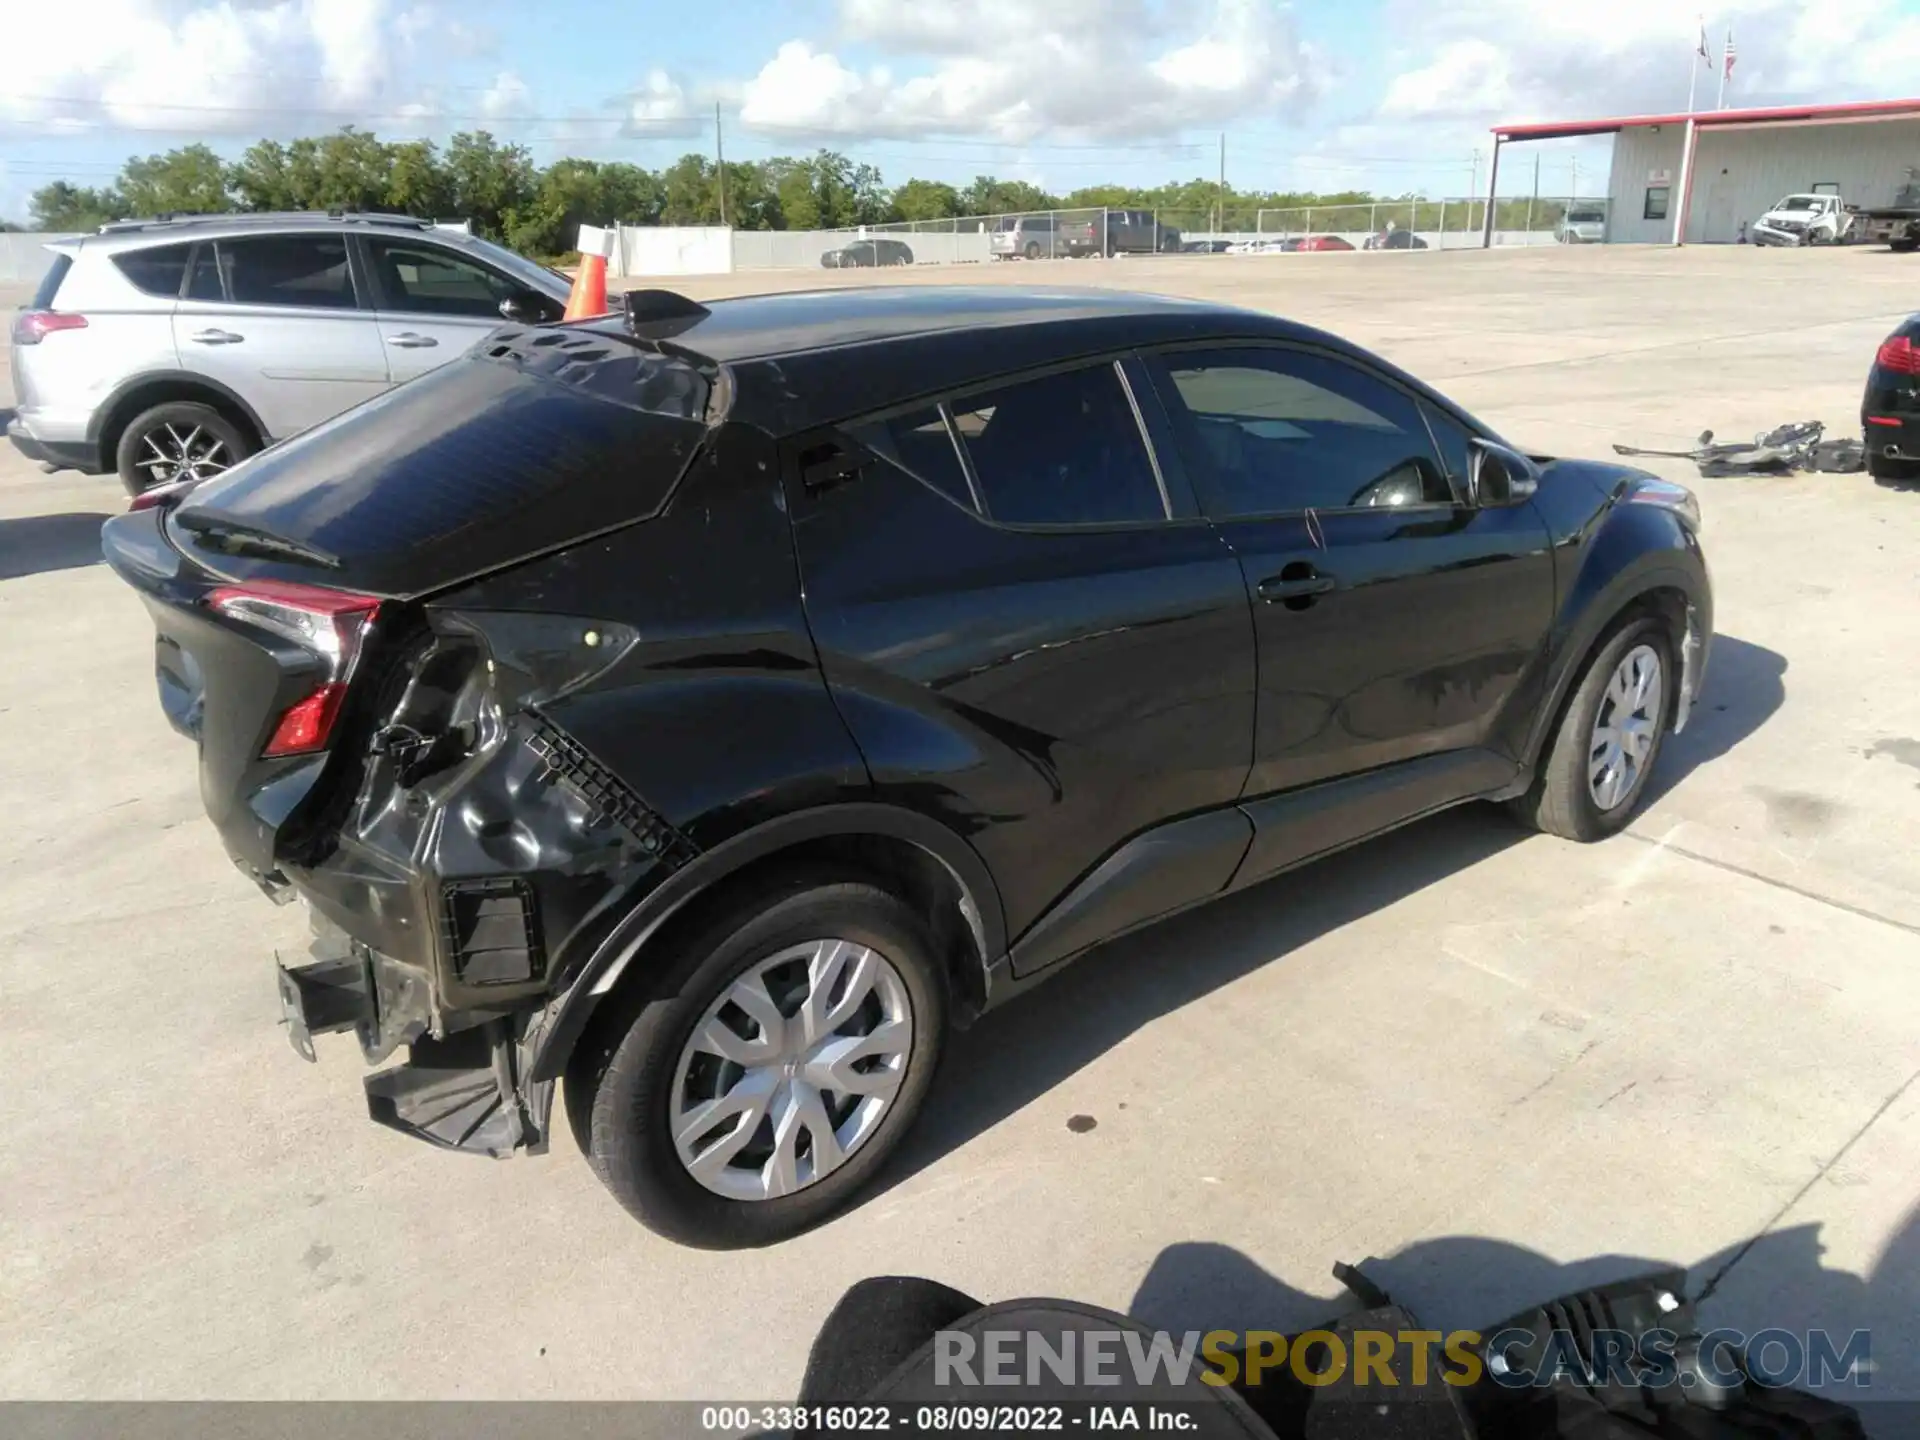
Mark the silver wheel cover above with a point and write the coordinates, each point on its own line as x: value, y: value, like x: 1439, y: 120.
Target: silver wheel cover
x: 791, y: 1070
x: 1624, y: 730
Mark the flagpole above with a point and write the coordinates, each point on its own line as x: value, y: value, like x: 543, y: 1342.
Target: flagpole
x: 1720, y: 102
x: 1693, y: 70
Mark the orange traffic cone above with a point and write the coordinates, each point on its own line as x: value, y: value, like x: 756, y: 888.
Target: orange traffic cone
x: 589, y: 294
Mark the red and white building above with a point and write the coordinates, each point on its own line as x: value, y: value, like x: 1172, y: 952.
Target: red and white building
x: 1693, y: 179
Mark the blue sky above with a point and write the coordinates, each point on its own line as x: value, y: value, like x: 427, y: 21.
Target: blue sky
x: 1391, y: 95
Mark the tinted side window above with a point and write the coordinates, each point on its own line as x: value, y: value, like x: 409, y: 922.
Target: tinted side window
x: 920, y: 444
x: 203, y: 280
x: 1272, y: 431
x: 1060, y: 450
x: 305, y: 271
x: 427, y: 280
x: 158, y: 271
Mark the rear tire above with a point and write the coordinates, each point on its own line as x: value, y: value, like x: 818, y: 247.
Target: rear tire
x: 1033, y: 250
x: 178, y: 440
x: 629, y: 1081
x: 1563, y: 799
x: 1902, y: 247
x: 1890, y: 468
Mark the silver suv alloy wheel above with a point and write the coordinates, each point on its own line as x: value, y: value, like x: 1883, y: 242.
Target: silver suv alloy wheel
x: 791, y: 1070
x: 1624, y: 729
x: 168, y: 455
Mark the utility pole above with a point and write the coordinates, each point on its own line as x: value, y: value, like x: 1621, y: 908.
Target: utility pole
x: 719, y: 162
x: 1574, y: 183
x: 1534, y: 198
x: 1473, y: 188
x: 1220, y: 199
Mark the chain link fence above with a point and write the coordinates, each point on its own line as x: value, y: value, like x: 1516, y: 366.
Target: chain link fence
x: 1113, y: 232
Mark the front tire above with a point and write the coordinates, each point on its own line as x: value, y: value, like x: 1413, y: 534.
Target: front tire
x: 179, y: 440
x: 785, y: 1054
x: 1599, y: 761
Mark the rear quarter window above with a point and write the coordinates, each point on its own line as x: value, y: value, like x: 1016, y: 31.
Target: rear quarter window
x: 157, y: 271
x: 50, y: 282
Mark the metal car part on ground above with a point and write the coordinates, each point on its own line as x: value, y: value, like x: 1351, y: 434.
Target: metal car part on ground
x: 1779, y: 451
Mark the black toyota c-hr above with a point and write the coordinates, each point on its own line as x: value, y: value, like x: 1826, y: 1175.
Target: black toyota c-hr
x: 703, y: 709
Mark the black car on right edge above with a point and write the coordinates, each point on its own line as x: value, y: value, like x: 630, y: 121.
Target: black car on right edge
x: 1890, y: 410
x: 701, y: 710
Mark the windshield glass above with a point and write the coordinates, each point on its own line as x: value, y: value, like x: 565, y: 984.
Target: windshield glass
x: 1798, y: 202
x: 1586, y: 217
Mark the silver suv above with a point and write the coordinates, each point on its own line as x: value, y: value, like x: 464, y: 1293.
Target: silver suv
x: 172, y: 348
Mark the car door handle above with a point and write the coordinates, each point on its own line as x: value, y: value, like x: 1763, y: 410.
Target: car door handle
x: 411, y: 340
x: 1296, y: 582
x: 215, y: 337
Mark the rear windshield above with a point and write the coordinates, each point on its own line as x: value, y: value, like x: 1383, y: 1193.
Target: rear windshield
x: 1586, y: 217
x: 520, y: 449
x: 50, y: 282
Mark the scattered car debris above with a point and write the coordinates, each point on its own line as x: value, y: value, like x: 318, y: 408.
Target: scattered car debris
x: 1779, y: 451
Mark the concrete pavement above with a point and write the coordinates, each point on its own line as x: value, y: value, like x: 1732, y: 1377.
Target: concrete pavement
x: 1496, y: 1062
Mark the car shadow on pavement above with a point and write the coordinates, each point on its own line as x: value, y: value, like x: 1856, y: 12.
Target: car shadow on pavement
x: 1745, y: 685
x: 32, y: 544
x: 1775, y: 1280
x: 1020, y: 1051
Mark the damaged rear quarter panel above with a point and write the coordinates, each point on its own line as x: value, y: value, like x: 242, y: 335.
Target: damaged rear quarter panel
x: 512, y: 745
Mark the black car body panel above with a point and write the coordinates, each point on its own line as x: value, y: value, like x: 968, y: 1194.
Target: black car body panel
x: 655, y: 606
x: 1890, y: 409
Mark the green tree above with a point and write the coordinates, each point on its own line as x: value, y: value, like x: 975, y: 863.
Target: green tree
x: 417, y: 183
x: 926, y: 200
x: 688, y: 194
x: 988, y: 196
x: 61, y: 206
x: 192, y: 180
x: 572, y: 193
x: 490, y: 181
x: 263, y: 177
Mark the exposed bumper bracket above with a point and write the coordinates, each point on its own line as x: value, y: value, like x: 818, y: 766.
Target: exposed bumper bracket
x: 457, y: 1093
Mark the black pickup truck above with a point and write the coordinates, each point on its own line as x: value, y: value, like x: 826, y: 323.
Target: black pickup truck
x: 1128, y: 232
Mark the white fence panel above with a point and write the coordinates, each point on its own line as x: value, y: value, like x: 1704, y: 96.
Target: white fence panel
x: 675, y: 250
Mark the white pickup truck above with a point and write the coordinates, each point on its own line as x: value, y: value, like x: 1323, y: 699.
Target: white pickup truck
x: 1803, y: 220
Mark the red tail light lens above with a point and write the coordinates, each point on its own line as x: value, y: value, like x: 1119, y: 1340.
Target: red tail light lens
x: 157, y: 496
x: 306, y: 727
x: 30, y: 327
x: 330, y: 624
x: 1898, y: 354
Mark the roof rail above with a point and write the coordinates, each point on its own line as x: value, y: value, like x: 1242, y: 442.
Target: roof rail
x: 171, y: 219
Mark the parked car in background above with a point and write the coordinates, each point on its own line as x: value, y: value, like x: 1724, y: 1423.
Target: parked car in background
x: 1319, y: 242
x: 1803, y: 220
x: 1582, y: 225
x: 1028, y: 237
x: 1890, y: 409
x: 876, y: 251
x: 171, y: 349
x: 1206, y: 247
x: 1395, y: 239
x: 1127, y: 232
x: 701, y: 730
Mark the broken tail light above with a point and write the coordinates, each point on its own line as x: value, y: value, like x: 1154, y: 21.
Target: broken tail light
x: 331, y: 625
x: 1897, y: 354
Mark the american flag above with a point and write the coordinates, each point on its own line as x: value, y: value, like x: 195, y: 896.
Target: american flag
x: 1705, y: 58
x: 1727, y: 74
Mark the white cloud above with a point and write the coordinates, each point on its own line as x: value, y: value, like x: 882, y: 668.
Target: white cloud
x: 662, y: 109
x: 508, y: 98
x: 1514, y: 60
x: 1017, y: 69
x: 212, y: 67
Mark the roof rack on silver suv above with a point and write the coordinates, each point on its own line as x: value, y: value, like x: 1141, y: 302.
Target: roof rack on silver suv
x: 263, y: 217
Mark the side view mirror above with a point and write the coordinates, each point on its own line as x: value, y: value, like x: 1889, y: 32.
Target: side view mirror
x: 1497, y: 475
x: 528, y: 309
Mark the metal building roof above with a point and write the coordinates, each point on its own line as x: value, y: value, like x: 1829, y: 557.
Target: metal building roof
x: 1770, y: 115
